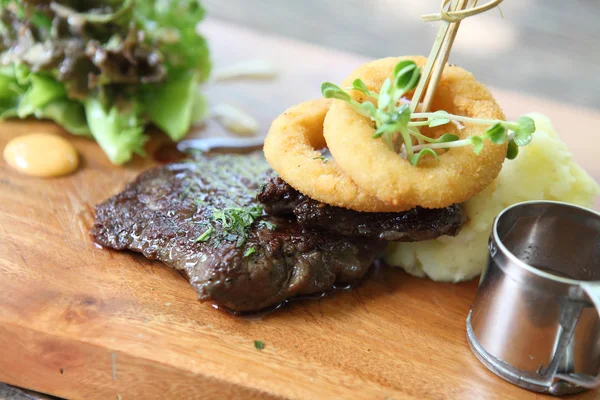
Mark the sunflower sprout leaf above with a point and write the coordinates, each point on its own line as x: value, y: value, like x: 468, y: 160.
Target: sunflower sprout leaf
x: 331, y: 91
x: 526, y: 125
x: 496, y: 133
x: 401, y: 66
x: 414, y: 160
x: 512, y: 151
x: 406, y: 75
x: 446, y: 138
x: 359, y: 85
x: 477, y: 143
x: 385, y: 95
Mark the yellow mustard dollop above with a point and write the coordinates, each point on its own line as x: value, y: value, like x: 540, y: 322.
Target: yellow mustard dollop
x: 42, y: 155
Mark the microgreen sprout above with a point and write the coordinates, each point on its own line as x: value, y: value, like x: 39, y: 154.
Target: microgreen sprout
x: 397, y: 126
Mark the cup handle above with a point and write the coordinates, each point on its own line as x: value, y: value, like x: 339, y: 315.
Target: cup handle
x: 593, y: 292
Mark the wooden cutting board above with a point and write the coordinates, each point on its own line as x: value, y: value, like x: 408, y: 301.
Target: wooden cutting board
x: 80, y: 322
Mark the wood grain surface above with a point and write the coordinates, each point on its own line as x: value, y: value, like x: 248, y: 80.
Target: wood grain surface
x: 80, y: 322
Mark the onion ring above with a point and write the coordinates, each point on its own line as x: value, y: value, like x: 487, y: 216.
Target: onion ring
x: 291, y: 148
x: 377, y: 170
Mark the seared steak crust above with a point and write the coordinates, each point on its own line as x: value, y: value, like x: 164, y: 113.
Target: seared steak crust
x: 417, y: 224
x: 166, y: 213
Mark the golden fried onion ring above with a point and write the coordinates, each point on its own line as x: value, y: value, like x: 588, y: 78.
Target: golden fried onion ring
x: 291, y: 150
x: 380, y: 172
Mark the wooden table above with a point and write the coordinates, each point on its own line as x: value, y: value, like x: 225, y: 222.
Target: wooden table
x: 77, y: 321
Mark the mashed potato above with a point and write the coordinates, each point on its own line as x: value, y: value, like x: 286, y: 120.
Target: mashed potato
x: 544, y: 170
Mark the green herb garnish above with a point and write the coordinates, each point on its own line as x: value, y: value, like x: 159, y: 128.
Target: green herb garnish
x: 259, y: 345
x: 397, y: 126
x: 269, y: 225
x: 322, y: 158
x: 236, y: 220
x: 205, y: 237
x: 186, y: 191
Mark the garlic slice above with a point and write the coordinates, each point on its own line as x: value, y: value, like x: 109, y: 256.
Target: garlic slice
x: 235, y: 120
x: 256, y: 69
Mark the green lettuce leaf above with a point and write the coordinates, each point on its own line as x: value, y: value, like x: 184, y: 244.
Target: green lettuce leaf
x: 175, y: 105
x: 9, y: 87
x: 24, y: 94
x: 66, y: 113
x: 10, y: 92
x: 122, y: 11
x: 172, y: 23
x: 8, y: 108
x: 119, y: 133
x: 171, y: 59
x: 42, y: 90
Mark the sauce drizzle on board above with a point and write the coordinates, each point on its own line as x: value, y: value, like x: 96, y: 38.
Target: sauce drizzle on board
x: 173, y: 152
x: 42, y: 155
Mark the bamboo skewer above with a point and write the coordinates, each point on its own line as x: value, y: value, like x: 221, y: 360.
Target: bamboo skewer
x: 432, y: 72
x: 443, y: 56
x: 455, y: 16
x: 416, y: 99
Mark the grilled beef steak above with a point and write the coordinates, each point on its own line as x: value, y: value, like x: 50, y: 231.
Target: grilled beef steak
x: 417, y: 224
x: 202, y: 217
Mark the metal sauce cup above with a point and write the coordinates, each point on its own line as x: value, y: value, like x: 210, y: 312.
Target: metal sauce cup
x: 535, y: 321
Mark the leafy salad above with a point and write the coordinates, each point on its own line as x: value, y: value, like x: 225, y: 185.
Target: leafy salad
x: 104, y: 68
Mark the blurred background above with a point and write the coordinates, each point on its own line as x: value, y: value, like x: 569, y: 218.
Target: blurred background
x: 547, y: 48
